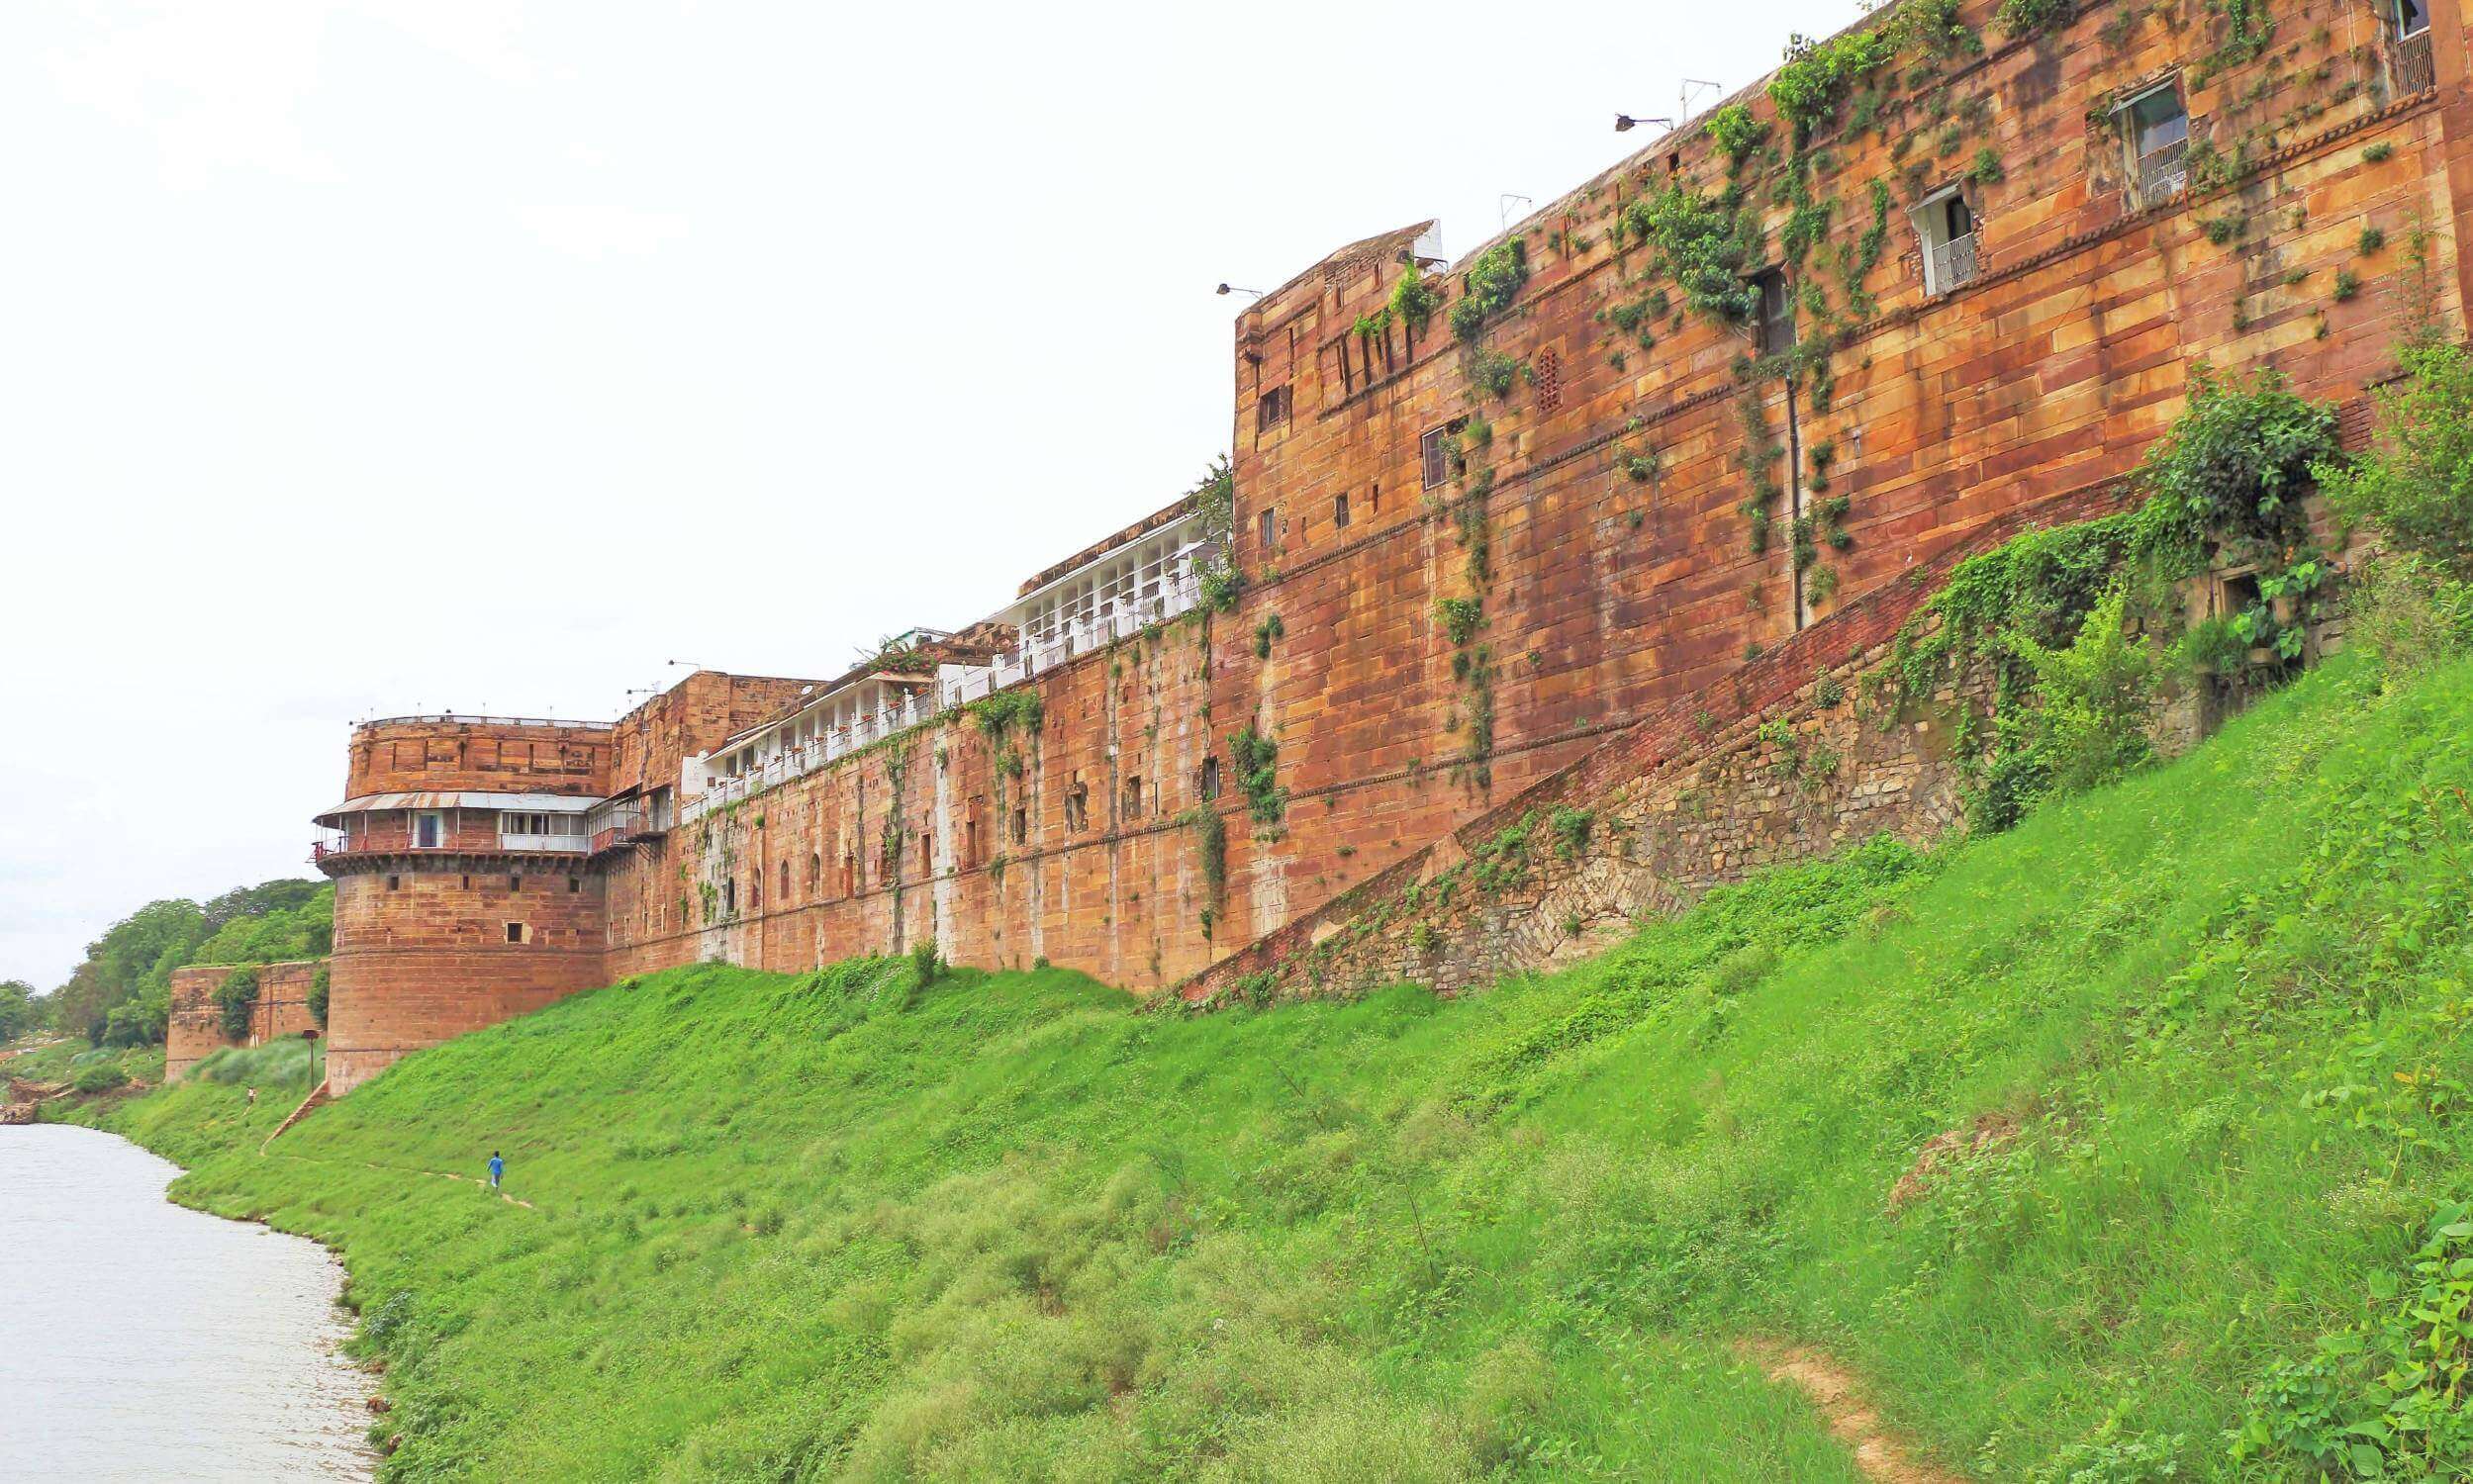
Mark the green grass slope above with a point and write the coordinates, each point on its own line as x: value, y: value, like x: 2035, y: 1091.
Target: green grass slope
x: 1008, y: 1226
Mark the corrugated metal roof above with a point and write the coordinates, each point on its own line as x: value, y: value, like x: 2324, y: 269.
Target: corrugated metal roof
x: 535, y: 804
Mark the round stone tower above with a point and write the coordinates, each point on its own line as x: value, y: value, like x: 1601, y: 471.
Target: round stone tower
x: 463, y: 896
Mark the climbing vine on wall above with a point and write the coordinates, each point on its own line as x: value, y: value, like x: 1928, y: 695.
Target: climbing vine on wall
x: 1703, y: 243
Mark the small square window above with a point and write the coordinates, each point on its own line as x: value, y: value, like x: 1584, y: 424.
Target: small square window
x: 395, y: 883
x: 575, y: 883
x: 1434, y: 456
x: 1270, y: 409
x: 517, y: 932
x: 515, y: 884
x: 1776, y: 326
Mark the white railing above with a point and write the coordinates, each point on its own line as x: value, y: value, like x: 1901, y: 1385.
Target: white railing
x: 507, y: 840
x: 2409, y: 58
x: 2164, y: 174
x: 1952, y: 263
x: 1035, y: 657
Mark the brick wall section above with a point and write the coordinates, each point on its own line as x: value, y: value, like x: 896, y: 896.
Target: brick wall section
x: 1612, y: 598
x: 429, y: 755
x: 1612, y: 606
x: 1898, y: 785
x: 196, y: 1028
x: 428, y: 958
x: 692, y: 718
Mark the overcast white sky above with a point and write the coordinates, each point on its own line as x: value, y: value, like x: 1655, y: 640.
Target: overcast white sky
x: 359, y: 358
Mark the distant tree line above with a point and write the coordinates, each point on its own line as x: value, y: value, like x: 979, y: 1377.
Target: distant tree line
x: 120, y: 994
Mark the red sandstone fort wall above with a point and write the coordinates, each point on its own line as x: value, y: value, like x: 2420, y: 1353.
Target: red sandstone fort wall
x: 428, y: 754
x: 196, y: 1029
x: 1607, y: 595
x: 423, y: 955
x: 1603, y: 532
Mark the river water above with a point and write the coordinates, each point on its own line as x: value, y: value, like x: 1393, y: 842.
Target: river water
x: 142, y: 1340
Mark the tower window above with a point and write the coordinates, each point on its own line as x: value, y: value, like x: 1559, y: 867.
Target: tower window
x: 1208, y: 785
x: 575, y: 885
x: 2156, y: 128
x: 1776, y: 326
x: 517, y: 932
x: 1338, y: 511
x: 1947, y: 229
x: 1267, y: 532
x: 1433, y: 460
x: 515, y: 884
x: 395, y: 883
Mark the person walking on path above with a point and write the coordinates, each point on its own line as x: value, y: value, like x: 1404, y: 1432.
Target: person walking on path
x: 253, y: 1097
x: 497, y: 1167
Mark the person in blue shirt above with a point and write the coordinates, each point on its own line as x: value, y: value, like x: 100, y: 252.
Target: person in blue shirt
x: 497, y: 1167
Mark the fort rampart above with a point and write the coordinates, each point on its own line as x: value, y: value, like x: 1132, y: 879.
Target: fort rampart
x: 1690, y: 428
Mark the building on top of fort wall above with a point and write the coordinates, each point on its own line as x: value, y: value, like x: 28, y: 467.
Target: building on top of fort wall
x: 1481, y: 518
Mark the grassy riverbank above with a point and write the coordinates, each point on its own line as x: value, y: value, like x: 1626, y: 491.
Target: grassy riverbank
x: 2208, y: 1024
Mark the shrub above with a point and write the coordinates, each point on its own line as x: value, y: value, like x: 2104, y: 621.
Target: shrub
x: 1736, y: 132
x: 1704, y: 247
x: 1493, y: 280
x: 2214, y: 646
x: 2020, y: 18
x: 235, y: 1000
x: 2090, y: 713
x: 1571, y: 830
x: 2387, y: 1397
x: 317, y: 996
x: 2405, y: 610
x: 2417, y: 482
x: 288, y: 1063
x: 2235, y: 465
x: 102, y: 1076
x: 1414, y: 299
x: 1817, y: 75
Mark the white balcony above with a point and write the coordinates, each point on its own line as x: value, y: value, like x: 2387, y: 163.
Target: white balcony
x: 1952, y: 263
